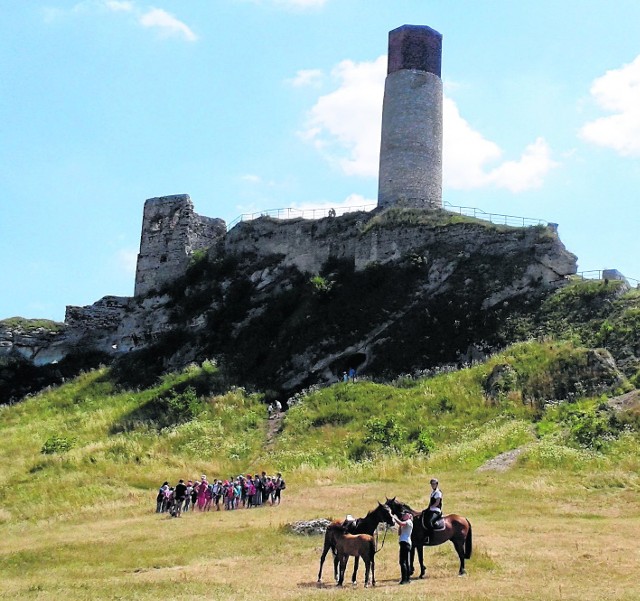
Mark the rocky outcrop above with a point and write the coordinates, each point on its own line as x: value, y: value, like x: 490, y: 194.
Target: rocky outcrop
x: 309, y: 527
x: 36, y: 341
x: 285, y: 304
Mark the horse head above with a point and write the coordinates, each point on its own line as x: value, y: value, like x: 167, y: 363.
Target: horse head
x: 395, y: 507
x: 385, y: 512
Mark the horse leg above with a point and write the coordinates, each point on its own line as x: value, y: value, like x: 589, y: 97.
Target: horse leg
x: 412, y: 554
x: 367, y: 564
x: 343, y: 567
x: 423, y: 569
x: 322, y: 558
x: 373, y: 570
x: 459, y: 546
x: 355, y: 570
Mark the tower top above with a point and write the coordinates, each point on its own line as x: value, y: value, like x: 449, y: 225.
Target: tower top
x: 415, y: 47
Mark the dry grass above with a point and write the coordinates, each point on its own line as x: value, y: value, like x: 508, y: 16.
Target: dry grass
x: 536, y: 536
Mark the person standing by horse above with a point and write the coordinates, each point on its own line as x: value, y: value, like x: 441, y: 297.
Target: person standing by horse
x: 405, y: 528
x: 435, y: 505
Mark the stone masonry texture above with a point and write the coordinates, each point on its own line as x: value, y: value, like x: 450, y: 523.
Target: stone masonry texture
x: 171, y: 232
x: 415, y: 47
x: 411, y: 145
x: 411, y: 142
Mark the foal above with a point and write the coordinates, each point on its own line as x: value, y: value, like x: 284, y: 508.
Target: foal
x: 365, y: 525
x: 358, y: 546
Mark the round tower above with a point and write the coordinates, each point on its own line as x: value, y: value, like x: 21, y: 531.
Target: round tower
x: 411, y: 145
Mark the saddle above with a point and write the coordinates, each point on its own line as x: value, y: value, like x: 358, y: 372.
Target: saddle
x: 350, y: 524
x: 438, y: 525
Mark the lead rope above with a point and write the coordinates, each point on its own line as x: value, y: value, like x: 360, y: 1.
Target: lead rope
x: 384, y: 538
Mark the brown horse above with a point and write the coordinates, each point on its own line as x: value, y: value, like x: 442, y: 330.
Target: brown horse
x: 365, y: 525
x: 457, y: 529
x: 358, y: 546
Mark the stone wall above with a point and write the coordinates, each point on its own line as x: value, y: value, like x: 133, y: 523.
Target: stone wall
x: 171, y: 232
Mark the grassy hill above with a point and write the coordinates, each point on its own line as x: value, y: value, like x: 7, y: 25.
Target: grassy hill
x: 79, y: 466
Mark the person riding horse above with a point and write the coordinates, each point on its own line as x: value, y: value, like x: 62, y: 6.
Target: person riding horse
x: 435, y: 507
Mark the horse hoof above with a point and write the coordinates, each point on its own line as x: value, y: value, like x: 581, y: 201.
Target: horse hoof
x: 463, y: 573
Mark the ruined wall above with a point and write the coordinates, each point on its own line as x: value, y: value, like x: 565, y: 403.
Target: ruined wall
x: 171, y: 232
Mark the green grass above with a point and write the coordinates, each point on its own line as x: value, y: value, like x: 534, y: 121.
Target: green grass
x: 29, y: 325
x: 78, y: 522
x: 93, y: 439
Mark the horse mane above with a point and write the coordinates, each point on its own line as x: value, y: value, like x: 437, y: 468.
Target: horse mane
x: 406, y: 508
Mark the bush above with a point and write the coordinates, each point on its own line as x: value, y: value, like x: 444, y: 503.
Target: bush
x: 425, y: 443
x: 592, y: 427
x: 384, y: 432
x: 57, y: 444
x: 183, y: 407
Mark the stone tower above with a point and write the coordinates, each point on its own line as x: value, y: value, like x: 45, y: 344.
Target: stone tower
x: 411, y: 146
x: 171, y: 232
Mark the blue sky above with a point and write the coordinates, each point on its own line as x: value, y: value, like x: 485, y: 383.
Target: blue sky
x: 257, y: 104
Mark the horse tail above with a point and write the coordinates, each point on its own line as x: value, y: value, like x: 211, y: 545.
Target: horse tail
x: 468, y: 543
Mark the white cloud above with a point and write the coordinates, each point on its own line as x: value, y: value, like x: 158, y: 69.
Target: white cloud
x: 307, y: 77
x: 353, y: 202
x: 344, y: 125
x: 251, y: 178
x: 127, y: 260
x: 167, y: 23
x: 119, y: 5
x: 293, y: 4
x: 302, y: 3
x: 151, y: 18
x: 618, y: 92
x: 467, y: 154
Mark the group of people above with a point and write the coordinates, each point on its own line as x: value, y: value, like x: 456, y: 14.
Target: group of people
x: 240, y: 491
x: 405, y: 529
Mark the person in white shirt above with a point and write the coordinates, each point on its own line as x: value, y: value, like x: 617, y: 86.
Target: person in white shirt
x: 435, y: 504
x: 405, y: 528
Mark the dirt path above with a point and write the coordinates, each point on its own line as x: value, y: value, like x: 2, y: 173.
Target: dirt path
x: 273, y: 428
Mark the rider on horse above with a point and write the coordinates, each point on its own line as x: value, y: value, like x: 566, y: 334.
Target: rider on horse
x: 434, y: 511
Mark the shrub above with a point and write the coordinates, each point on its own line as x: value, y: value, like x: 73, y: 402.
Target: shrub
x: 320, y: 284
x: 183, y: 407
x: 425, y: 443
x: 57, y: 444
x: 385, y: 432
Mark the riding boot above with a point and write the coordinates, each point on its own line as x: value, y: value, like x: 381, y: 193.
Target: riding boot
x: 404, y: 578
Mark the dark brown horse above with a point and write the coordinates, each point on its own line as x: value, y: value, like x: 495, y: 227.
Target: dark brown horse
x: 365, y: 525
x: 358, y: 546
x: 457, y: 529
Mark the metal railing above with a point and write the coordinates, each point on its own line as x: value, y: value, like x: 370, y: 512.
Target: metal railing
x: 293, y: 213
x: 600, y: 274
x: 496, y: 218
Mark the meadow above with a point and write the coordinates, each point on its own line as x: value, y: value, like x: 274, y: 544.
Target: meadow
x: 80, y: 465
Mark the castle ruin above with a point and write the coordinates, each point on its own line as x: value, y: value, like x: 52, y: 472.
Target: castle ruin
x: 410, y: 161
x: 411, y: 142
x: 171, y: 232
